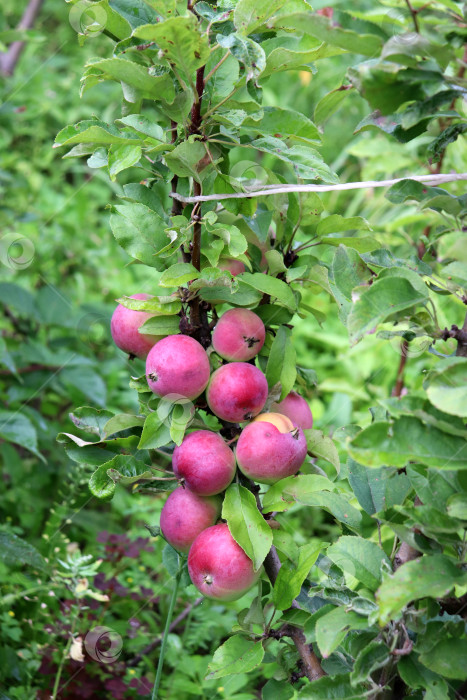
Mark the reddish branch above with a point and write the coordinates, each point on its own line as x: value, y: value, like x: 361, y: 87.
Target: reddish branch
x: 459, y: 334
x: 9, y: 59
x: 198, y: 316
x: 397, y: 391
x: 311, y: 664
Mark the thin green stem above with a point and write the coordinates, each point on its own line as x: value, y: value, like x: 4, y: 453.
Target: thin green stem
x: 218, y: 65
x: 168, y: 621
x: 65, y: 655
x: 219, y: 104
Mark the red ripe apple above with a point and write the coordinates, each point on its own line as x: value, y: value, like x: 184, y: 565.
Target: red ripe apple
x: 296, y: 408
x: 204, y: 463
x: 178, y: 365
x: 239, y: 335
x: 218, y: 566
x: 267, y: 451
x: 185, y: 515
x: 235, y: 267
x: 124, y: 328
x: 237, y: 392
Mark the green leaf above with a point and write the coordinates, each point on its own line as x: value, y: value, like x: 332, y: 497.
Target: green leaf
x: 246, y: 524
x: 329, y: 104
x: 291, y: 576
x: 456, y: 272
x: 178, y: 274
x: 122, y: 157
x: 433, y: 486
x: 133, y: 75
x: 181, y: 41
x: 305, y: 161
x: 236, y: 655
x: 429, y: 576
x: 322, y: 447
x: 283, y: 123
x: 186, y: 160
x: 6, y: 359
x: 273, y: 315
x: 441, y: 142
x: 85, y: 383
x: 273, y: 287
x: 246, y: 51
x: 161, y: 325
x: 336, y: 223
x: 277, y: 689
x: 295, y: 52
x: 164, y: 305
x: 249, y: 15
x: 457, y: 506
x: 373, y: 656
x: 92, y: 420
x: 332, y: 628
x: 415, y: 675
x: 408, y: 439
x: 446, y: 386
x: 281, y: 367
x: 125, y: 469
x: 377, y: 489
x: 155, y: 433
x: 94, y: 131
x: 335, y: 503
x: 244, y: 295
x: 323, y: 29
x: 387, y: 296
x: 18, y: 429
x: 363, y: 245
x: 284, y: 493
x: 361, y: 558
x: 332, y: 688
x: 19, y: 298
x: 232, y: 237
x: 14, y: 551
x: 143, y: 125
x: 182, y: 415
x: 385, y: 86
x: 121, y: 421
x: 140, y: 232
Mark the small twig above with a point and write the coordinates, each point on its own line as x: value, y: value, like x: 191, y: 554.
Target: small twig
x: 414, y: 14
x: 218, y: 65
x: 9, y: 60
x: 155, y: 643
x: 397, y: 391
x: 284, y: 189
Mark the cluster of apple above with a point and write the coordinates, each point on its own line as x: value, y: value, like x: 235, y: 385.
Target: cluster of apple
x: 271, y: 446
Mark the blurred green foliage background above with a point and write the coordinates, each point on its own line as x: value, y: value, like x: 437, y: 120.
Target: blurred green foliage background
x: 67, y: 270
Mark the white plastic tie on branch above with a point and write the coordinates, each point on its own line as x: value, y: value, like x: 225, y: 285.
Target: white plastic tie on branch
x: 284, y: 189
